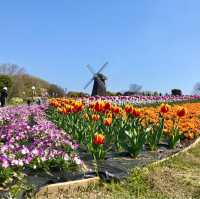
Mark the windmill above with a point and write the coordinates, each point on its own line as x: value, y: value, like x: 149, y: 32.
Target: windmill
x: 99, y: 86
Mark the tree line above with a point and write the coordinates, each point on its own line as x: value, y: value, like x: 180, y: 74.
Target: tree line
x: 20, y: 83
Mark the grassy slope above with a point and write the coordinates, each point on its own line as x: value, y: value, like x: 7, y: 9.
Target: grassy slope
x: 175, y: 178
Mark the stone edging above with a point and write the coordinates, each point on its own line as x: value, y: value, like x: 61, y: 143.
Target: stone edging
x: 52, y: 190
x: 178, y: 153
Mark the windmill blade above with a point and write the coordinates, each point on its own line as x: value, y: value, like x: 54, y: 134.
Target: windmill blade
x: 90, y: 69
x: 88, y: 83
x: 102, y: 67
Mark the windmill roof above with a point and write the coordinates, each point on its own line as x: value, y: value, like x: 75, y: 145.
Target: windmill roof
x: 101, y: 76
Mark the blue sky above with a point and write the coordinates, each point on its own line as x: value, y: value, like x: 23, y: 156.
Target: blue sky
x: 154, y: 43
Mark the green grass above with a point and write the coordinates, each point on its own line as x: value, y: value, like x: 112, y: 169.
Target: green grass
x: 177, y: 178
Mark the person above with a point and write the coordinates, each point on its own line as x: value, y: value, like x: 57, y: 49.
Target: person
x: 4, y: 95
x: 38, y: 101
x: 28, y: 102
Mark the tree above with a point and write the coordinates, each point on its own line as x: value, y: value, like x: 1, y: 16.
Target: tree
x: 5, y: 81
x: 118, y: 94
x: 77, y: 94
x: 55, y: 91
x: 110, y: 93
x: 197, y: 88
x: 18, y: 86
x: 176, y: 92
x: 14, y: 72
x: 23, y: 83
x: 135, y: 88
x: 155, y: 93
x: 11, y: 69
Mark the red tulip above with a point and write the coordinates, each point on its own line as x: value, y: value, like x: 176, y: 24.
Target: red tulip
x: 99, y: 139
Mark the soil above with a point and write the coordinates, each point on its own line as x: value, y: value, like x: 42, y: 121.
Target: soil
x: 115, y: 167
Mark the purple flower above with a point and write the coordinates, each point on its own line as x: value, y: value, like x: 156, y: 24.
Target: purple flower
x: 5, y: 163
x: 23, y: 143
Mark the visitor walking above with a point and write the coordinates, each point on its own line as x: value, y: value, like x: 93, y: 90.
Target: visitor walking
x: 3, y: 96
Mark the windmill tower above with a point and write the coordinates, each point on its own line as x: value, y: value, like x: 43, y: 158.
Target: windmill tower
x: 99, y: 86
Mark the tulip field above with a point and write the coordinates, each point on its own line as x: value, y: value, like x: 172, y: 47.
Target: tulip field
x: 50, y: 136
x: 104, y: 126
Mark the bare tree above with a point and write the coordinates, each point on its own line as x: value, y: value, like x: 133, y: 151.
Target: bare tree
x: 18, y: 86
x: 196, y: 89
x: 15, y: 72
x: 135, y: 88
x: 11, y: 69
x: 56, y: 91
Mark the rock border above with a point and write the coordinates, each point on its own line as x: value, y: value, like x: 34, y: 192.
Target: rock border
x: 51, y: 191
x: 176, y: 154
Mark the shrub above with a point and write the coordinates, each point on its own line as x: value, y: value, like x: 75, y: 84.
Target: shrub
x: 110, y: 93
x: 5, y: 81
x: 76, y: 94
x: 176, y: 92
x: 16, y: 101
x: 55, y: 91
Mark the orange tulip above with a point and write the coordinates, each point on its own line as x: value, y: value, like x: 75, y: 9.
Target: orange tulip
x: 190, y: 136
x: 64, y: 111
x: 107, y: 121
x: 116, y: 109
x: 95, y: 117
x: 77, y: 106
x: 68, y: 108
x: 55, y: 103
x: 99, y: 139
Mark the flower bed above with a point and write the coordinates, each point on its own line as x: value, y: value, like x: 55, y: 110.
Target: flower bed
x: 120, y: 134
x: 30, y: 143
x: 142, y: 100
x: 102, y: 126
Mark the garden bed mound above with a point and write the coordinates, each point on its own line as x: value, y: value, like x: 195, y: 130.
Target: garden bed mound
x: 118, y: 166
x: 115, y: 167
